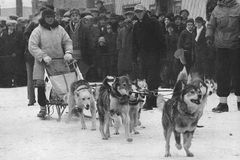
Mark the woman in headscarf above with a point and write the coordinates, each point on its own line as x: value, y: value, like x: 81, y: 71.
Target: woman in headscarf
x: 224, y: 29
x: 48, y: 41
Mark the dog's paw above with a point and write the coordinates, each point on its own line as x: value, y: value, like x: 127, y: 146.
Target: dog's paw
x: 189, y: 154
x: 178, y: 146
x: 129, y: 139
x: 136, y: 132
x: 167, y: 155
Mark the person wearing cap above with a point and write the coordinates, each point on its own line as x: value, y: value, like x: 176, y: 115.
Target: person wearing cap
x: 94, y: 12
x: 12, y: 43
x: 100, y: 7
x: 148, y: 45
x: 201, y: 65
x: 171, y: 66
x: 168, y: 19
x: 47, y: 42
x: 129, y: 15
x: 223, y: 29
x: 99, y: 58
x: 87, y: 20
x: 78, y: 32
x: 184, y: 14
x: 124, y: 47
x: 186, y: 42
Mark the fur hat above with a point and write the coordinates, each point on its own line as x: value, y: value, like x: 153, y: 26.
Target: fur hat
x: 48, y: 12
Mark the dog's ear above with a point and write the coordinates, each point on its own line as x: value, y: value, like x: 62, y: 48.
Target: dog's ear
x: 76, y: 93
x: 177, y: 90
x: 115, y: 82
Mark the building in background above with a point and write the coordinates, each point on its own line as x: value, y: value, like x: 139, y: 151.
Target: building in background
x: 9, y: 7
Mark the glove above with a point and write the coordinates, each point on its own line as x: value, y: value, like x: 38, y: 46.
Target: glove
x: 68, y: 57
x: 47, y: 60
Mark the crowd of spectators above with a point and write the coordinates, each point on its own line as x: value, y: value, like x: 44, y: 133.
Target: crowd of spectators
x: 138, y: 43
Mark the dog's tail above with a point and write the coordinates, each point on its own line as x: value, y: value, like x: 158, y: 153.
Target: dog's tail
x: 183, y: 75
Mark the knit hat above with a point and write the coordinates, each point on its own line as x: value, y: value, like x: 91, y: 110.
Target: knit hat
x: 48, y: 12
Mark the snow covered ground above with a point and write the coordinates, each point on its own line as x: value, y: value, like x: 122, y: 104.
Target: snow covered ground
x: 24, y: 137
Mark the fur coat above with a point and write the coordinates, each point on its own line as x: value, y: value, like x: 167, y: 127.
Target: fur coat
x: 45, y: 40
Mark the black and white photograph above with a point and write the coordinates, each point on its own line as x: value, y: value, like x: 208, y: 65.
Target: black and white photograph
x: 119, y: 79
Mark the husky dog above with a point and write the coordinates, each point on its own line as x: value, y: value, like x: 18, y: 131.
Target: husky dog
x: 80, y: 98
x: 212, y: 86
x: 136, y: 101
x: 113, y: 99
x: 182, y: 112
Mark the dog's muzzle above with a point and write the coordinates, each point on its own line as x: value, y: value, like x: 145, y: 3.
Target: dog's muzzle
x: 87, y: 107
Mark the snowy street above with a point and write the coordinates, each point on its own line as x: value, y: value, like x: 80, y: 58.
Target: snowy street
x: 23, y: 136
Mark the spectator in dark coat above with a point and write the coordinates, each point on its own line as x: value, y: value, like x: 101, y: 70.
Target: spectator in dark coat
x: 111, y: 58
x: 186, y: 42
x: 202, y: 64
x: 100, y: 58
x: 147, y: 43
x: 2, y: 28
x: 184, y: 13
x: 179, y: 27
x: 13, y: 48
x: 77, y: 31
x: 161, y: 18
x: 172, y: 66
x: 101, y: 7
x: 93, y: 35
x: 124, y: 46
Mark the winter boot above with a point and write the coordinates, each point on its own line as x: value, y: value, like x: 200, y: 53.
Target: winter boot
x: 221, y: 107
x: 42, y: 113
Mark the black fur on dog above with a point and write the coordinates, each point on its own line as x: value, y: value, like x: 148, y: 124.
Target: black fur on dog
x: 182, y: 112
x: 114, y: 99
